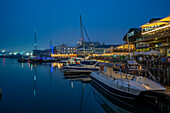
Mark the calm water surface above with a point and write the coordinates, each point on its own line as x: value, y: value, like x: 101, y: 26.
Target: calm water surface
x: 42, y: 89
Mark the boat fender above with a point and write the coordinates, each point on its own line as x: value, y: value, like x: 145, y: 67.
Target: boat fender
x: 102, y: 67
x: 123, y: 66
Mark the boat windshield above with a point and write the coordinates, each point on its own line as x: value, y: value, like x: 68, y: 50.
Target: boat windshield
x: 88, y: 62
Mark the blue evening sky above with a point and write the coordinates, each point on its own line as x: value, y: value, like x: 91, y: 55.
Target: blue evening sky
x: 105, y: 20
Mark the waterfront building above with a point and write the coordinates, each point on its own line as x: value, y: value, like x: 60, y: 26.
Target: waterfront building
x: 68, y: 50
x: 88, y: 47
x: 125, y: 49
x: 102, y: 49
x: 155, y: 36
x: 87, y: 51
x: 64, y: 49
x: 57, y: 49
x: 87, y: 44
x: 42, y: 53
x: 134, y: 34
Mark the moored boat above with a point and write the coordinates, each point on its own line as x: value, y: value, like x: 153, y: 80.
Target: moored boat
x: 34, y: 59
x: 22, y: 59
x: 85, y: 67
x: 129, y: 85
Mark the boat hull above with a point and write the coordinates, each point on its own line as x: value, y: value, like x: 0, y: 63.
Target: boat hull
x: 113, y: 91
x: 76, y: 72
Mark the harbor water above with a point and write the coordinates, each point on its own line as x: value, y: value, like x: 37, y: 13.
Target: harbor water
x: 42, y: 88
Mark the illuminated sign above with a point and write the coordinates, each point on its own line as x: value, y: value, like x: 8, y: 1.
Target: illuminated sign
x: 131, y: 34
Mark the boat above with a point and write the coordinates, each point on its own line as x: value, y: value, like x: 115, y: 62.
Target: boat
x: 85, y: 67
x: 22, y: 59
x: 34, y: 59
x: 131, y: 84
x: 75, y: 60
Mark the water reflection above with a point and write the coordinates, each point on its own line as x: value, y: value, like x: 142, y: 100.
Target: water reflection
x: 107, y: 105
x: 82, y: 78
x: 35, y: 78
x: 3, y: 61
x: 85, y: 79
x: 0, y: 93
x: 74, y: 94
x: 112, y: 104
x: 22, y: 65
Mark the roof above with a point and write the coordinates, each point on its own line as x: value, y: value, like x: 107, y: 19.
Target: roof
x: 157, y: 22
x: 106, y: 46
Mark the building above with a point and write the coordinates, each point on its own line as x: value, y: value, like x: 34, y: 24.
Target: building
x: 155, y: 35
x: 88, y: 47
x: 102, y: 49
x: 87, y: 44
x: 64, y: 49
x: 42, y: 53
x: 134, y: 34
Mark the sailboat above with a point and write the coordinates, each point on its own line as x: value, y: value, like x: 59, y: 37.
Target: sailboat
x: 86, y: 66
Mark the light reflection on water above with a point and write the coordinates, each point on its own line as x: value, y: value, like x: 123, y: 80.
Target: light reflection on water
x: 43, y: 88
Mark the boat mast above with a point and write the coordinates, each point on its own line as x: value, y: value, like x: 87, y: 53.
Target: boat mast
x: 82, y: 35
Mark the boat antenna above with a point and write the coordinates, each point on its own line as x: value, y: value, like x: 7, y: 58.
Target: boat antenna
x: 82, y: 36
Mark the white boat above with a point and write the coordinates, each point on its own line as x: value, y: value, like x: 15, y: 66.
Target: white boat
x: 85, y: 67
x: 129, y: 85
x: 75, y: 60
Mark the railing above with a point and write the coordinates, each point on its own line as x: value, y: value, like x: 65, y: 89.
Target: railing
x: 162, y: 32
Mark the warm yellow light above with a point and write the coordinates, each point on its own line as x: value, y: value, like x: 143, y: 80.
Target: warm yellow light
x: 156, y: 29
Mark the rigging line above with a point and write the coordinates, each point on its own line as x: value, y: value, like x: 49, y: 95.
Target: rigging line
x: 86, y: 34
x: 88, y: 38
x: 82, y: 35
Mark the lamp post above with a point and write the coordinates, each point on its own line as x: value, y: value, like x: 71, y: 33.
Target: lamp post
x: 128, y: 45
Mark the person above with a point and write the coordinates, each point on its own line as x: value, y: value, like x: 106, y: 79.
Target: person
x: 144, y: 59
x: 168, y: 59
x: 141, y: 59
x: 163, y: 59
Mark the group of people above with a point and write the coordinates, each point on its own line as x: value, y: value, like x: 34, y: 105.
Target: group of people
x: 157, y: 60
